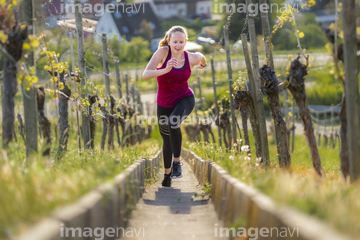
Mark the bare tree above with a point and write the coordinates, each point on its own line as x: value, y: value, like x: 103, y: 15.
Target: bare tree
x: 13, y: 49
x: 45, y: 125
x: 295, y: 83
x: 64, y: 96
x: 223, y: 121
x: 111, y: 123
x: 92, y: 100
x: 270, y: 86
x: 244, y: 119
x: 243, y: 99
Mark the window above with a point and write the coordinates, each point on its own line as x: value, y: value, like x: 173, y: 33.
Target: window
x: 125, y: 29
x: 117, y: 15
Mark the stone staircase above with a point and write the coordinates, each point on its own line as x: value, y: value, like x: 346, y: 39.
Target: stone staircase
x: 180, y: 212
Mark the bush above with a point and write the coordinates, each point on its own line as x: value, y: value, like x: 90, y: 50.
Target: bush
x: 285, y: 38
x: 314, y: 37
x: 325, y: 91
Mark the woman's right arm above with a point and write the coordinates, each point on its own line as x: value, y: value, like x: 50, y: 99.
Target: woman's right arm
x: 151, y: 71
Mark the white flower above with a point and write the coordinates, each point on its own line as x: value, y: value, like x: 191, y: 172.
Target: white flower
x: 245, y: 148
x: 258, y: 159
x: 231, y: 158
x: 247, y: 159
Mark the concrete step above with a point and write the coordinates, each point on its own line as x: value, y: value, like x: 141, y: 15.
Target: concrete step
x: 174, y: 213
x: 201, y: 215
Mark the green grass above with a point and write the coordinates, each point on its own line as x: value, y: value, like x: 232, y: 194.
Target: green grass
x: 31, y: 190
x: 330, y: 199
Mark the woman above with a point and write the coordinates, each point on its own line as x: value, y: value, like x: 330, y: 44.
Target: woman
x: 171, y: 65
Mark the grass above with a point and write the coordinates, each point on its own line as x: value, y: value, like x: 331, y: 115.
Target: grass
x: 330, y: 199
x: 31, y: 190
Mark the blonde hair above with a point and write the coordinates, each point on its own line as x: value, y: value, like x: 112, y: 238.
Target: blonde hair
x: 173, y: 29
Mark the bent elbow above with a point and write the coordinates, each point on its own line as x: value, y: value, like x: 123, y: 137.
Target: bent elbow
x: 144, y: 77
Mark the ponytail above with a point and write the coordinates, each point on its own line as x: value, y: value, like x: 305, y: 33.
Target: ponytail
x: 164, y: 43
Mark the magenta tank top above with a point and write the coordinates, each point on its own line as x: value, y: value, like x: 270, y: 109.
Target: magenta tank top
x: 173, y: 86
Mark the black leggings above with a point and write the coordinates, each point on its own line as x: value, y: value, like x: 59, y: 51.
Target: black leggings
x: 169, y: 120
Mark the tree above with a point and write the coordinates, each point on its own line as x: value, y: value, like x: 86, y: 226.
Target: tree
x: 238, y: 18
x: 138, y: 50
x: 118, y: 47
x: 146, y: 30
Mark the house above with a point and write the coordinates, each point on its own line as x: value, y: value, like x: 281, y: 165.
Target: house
x: 88, y: 25
x: 180, y: 8
x: 52, y: 11
x: 126, y: 19
x: 325, y: 20
x: 59, y: 10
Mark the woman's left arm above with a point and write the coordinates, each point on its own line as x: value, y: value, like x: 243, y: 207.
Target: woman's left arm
x: 197, y: 59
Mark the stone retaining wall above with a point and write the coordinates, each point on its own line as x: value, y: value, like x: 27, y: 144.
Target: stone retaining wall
x: 234, y: 200
x: 107, y: 206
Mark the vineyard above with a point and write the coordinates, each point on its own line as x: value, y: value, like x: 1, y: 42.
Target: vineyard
x: 272, y: 141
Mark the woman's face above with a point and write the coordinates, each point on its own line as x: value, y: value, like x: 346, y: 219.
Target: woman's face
x: 177, y: 42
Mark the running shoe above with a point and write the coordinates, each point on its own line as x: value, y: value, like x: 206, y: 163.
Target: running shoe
x: 176, y: 171
x: 166, y: 182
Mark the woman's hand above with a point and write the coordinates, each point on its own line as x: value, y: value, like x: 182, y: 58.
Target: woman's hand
x: 170, y: 64
x: 150, y: 70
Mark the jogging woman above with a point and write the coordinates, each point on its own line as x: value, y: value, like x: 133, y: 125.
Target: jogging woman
x: 171, y: 65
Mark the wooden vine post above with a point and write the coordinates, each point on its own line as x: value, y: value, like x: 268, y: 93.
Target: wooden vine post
x: 118, y: 82
x: 85, y: 118
x: 352, y: 87
x: 108, y: 97
x: 215, y: 97
x: 73, y: 69
x: 258, y: 100
x: 229, y: 70
x: 127, y: 89
x: 255, y: 91
x: 343, y: 141
x: 266, y: 33
x: 269, y: 56
x: 29, y: 96
x: 106, y: 70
